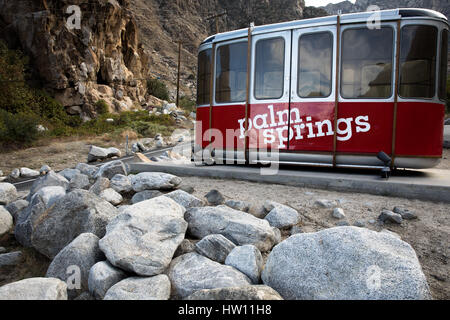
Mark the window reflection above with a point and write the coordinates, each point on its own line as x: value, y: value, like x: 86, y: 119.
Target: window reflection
x: 315, y: 65
x: 443, y: 67
x: 204, y: 77
x: 367, y: 57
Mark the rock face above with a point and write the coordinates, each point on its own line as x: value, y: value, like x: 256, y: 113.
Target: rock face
x: 6, y: 221
x: 215, y: 247
x: 83, y: 252
x: 248, y: 260
x: 153, y: 288
x: 82, y: 63
x: 143, y: 239
x: 35, y: 289
x: 102, y: 277
x: 154, y: 181
x: 76, y: 213
x: 345, y: 263
x: 8, y: 193
x: 239, y: 227
x: 191, y: 272
x: 255, y: 293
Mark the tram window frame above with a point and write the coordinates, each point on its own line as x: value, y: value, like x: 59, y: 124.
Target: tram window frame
x: 443, y: 74
x: 434, y: 69
x: 205, y: 83
x: 216, y: 74
x: 255, y: 82
x: 332, y: 63
x: 392, y: 64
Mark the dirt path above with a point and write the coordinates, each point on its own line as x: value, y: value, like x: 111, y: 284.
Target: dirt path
x: 429, y: 235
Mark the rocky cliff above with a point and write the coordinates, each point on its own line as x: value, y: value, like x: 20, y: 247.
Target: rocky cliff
x: 102, y: 59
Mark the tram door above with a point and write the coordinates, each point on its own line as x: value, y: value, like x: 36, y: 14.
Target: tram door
x: 312, y: 93
x: 268, y: 112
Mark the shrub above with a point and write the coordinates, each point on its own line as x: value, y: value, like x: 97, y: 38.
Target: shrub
x: 101, y: 107
x: 19, y: 127
x: 158, y: 89
x: 187, y: 104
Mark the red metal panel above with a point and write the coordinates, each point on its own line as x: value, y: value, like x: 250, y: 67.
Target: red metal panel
x: 226, y: 120
x: 420, y: 129
x: 374, y: 135
x: 201, y: 126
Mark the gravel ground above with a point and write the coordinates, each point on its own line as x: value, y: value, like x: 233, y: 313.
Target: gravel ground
x: 429, y: 235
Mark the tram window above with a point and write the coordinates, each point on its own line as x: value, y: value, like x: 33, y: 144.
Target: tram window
x: 418, y: 61
x: 443, y: 67
x: 204, y: 77
x: 269, y: 68
x: 367, y: 57
x: 231, y: 73
x: 315, y: 65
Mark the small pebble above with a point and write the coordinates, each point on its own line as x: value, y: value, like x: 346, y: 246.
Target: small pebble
x: 338, y: 213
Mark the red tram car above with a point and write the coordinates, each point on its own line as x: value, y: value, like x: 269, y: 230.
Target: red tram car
x: 332, y: 91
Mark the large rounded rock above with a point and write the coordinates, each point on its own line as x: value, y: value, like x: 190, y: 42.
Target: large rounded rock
x: 16, y: 207
x: 69, y: 173
x: 185, y: 199
x: 345, y: 263
x: 154, y: 181
x: 102, y: 277
x: 100, y: 185
x: 112, y: 196
x: 35, y: 289
x: 87, y: 169
x: 28, y: 173
x: 239, y: 227
x: 74, y: 262
x: 143, y: 239
x: 215, y: 247
x: 8, y: 193
x: 259, y: 292
x: 6, y: 221
x: 121, y: 183
x: 97, y: 153
x: 191, y: 272
x: 136, y: 288
x: 76, y: 213
x: 248, y: 260
x: 110, y: 169
x: 281, y: 216
x: 145, y: 195
x: 51, y: 179
x: 79, y: 181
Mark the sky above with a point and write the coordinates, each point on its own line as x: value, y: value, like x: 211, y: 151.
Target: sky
x: 321, y: 3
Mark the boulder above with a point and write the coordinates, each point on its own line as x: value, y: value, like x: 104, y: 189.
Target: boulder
x: 87, y: 169
x: 10, y: 259
x: 255, y: 293
x: 281, y: 216
x: 145, y: 195
x: 215, y: 247
x: 8, y: 193
x: 186, y: 246
x: 29, y: 173
x: 51, y: 179
x: 79, y: 181
x: 239, y: 227
x: 154, y: 181
x: 15, y: 174
x: 238, y: 205
x: 51, y: 194
x: 345, y: 263
x: 97, y: 153
x: 100, y: 185
x: 111, y: 196
x: 214, y: 198
x: 102, y: 277
x: 76, y: 213
x: 143, y: 239
x: 83, y: 252
x: 69, y: 173
x: 16, y: 207
x: 192, y: 272
x: 110, y: 169
x: 137, y: 288
x: 35, y: 289
x: 121, y: 184
x: 185, y: 199
x: 248, y: 260
x: 114, y: 152
x: 6, y: 221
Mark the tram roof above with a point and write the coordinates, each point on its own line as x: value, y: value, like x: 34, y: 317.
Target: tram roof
x: 386, y: 15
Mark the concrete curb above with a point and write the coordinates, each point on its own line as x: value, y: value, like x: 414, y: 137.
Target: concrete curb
x: 421, y: 185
